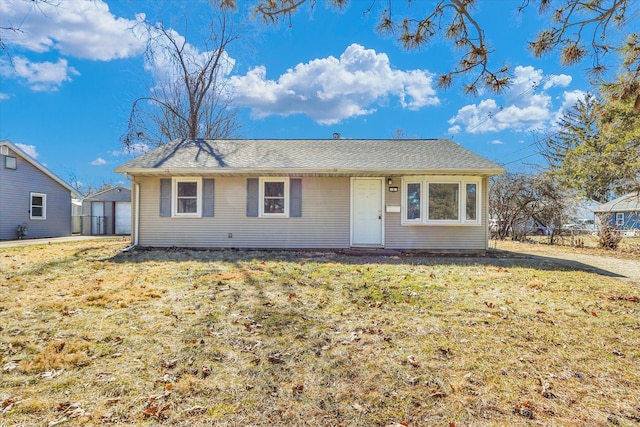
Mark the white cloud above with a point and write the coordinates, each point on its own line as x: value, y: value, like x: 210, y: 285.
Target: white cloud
x: 454, y: 130
x: 73, y: 28
x: 134, y: 150
x: 332, y: 89
x: 99, y: 162
x: 40, y: 76
x: 526, y: 105
x: 568, y: 100
x: 29, y: 149
x: 82, y: 29
x: 496, y: 142
x: 4, y: 96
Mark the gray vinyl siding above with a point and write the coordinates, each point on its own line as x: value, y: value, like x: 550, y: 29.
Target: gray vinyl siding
x: 15, y: 202
x: 324, y: 222
x: 435, y: 237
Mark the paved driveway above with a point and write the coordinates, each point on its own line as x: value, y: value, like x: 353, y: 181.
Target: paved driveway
x: 29, y: 242
x: 608, y: 265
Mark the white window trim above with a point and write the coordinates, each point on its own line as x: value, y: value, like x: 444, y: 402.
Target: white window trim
x: 44, y: 206
x: 426, y: 204
x: 461, y: 181
x: 11, y: 162
x: 174, y: 197
x: 405, y: 193
x: 261, y: 211
x: 619, y: 218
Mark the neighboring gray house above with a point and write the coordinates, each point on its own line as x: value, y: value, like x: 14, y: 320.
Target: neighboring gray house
x: 106, y: 212
x: 622, y: 213
x: 32, y: 198
x: 333, y: 193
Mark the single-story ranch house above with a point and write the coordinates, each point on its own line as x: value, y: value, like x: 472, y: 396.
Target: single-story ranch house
x: 424, y: 194
x: 622, y: 213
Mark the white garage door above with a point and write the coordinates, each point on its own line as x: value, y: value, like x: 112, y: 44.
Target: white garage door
x: 123, y: 218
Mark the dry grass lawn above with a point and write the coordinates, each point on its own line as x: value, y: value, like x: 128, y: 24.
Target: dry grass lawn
x: 93, y: 336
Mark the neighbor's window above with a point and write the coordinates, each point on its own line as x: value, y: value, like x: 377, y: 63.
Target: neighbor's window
x: 38, y: 206
x: 274, y: 197
x: 414, y: 190
x: 10, y: 162
x: 188, y: 196
x: 620, y: 219
x: 446, y: 200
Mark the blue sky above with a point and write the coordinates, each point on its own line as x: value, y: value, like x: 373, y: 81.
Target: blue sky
x: 76, y: 69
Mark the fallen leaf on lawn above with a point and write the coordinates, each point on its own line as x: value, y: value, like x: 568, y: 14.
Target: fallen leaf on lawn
x: 196, y: 410
x: 9, y: 403
x: 51, y: 374
x: 169, y: 363
x: 206, y: 371
x: 526, y: 410
x: 412, y: 360
x: 10, y: 366
x: 275, y: 359
x: 358, y: 407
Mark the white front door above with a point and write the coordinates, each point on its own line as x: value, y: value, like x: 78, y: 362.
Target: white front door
x: 123, y: 217
x: 366, y: 211
x: 97, y: 218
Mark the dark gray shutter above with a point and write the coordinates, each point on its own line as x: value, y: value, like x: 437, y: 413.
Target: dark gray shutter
x: 253, y: 196
x: 208, y: 186
x: 295, y: 201
x: 165, y: 197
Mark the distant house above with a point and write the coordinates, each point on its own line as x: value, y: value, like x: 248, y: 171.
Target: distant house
x: 429, y: 195
x: 622, y: 213
x: 34, y: 202
x: 107, y: 212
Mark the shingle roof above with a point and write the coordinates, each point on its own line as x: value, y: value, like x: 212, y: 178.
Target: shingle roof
x: 627, y: 203
x: 322, y: 156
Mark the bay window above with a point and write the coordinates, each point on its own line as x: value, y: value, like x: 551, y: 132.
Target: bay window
x: 441, y: 200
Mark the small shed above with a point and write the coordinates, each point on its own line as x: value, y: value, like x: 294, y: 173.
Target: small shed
x: 107, y: 212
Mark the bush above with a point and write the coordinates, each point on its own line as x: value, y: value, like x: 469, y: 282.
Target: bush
x: 609, y: 237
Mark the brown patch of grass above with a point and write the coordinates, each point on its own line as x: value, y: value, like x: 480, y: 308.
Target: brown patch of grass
x: 57, y: 354
x: 191, y: 338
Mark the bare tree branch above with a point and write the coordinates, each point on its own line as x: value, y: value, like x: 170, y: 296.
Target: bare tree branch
x: 190, y: 99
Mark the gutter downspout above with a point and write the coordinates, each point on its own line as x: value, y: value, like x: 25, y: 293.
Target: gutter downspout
x: 136, y: 218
